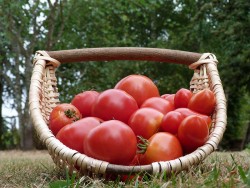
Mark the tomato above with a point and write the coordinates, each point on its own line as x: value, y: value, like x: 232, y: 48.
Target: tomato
x: 62, y: 115
x: 136, y: 160
x: 84, y: 102
x: 203, y: 102
x: 182, y: 98
x: 171, y: 121
x: 145, y: 122
x: 170, y: 98
x: 113, y: 141
x: 164, y: 96
x: 74, y: 134
x: 138, y: 86
x: 114, y: 104
x: 193, y: 132
x: 159, y: 104
x: 187, y: 112
x: 162, y: 146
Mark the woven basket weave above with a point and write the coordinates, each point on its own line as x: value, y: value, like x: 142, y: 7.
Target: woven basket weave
x: 44, y: 96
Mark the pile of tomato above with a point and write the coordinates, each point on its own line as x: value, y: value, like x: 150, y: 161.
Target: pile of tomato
x: 132, y: 124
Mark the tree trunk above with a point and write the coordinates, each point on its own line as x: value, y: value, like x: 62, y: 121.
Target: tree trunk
x: 2, y: 82
x: 247, y: 137
x: 26, y: 123
x: 1, y: 104
x: 28, y: 142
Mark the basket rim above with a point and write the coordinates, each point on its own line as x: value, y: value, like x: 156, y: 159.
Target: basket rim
x: 124, y: 53
x: 54, y: 145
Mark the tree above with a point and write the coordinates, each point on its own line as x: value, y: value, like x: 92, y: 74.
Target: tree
x: 232, y: 30
x: 4, y: 88
x: 222, y: 27
x: 23, y: 26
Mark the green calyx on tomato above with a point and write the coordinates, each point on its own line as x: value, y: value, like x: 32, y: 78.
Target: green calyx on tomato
x: 142, y: 145
x: 71, y: 114
x: 62, y: 115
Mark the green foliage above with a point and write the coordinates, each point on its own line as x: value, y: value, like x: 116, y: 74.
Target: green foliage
x: 119, y: 24
x: 70, y: 182
x: 244, y: 174
x: 9, y: 139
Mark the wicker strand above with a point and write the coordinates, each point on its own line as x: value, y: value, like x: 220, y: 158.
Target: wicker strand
x: 200, y: 79
x: 49, y: 83
x: 43, y: 55
x: 204, y: 59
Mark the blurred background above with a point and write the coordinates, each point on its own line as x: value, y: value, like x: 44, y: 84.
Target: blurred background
x: 221, y: 27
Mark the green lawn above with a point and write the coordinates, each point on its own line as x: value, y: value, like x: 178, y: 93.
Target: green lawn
x: 36, y: 169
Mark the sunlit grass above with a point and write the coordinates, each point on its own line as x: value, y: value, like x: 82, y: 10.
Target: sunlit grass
x: 36, y: 169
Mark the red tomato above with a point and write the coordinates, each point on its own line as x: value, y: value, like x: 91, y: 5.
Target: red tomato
x: 74, y: 134
x: 84, y: 102
x: 113, y: 141
x: 138, y: 86
x: 193, y: 132
x: 170, y: 98
x: 162, y: 146
x: 187, y: 112
x: 62, y: 115
x: 182, y: 98
x: 145, y: 122
x: 136, y: 160
x: 203, y: 102
x: 159, y: 104
x: 171, y: 122
x: 164, y: 96
x: 114, y: 104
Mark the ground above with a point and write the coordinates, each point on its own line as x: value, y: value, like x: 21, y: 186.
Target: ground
x: 36, y: 169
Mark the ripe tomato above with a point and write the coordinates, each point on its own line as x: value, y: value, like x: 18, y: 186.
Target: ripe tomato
x: 164, y: 96
x: 187, y: 112
x: 145, y: 122
x: 84, y: 102
x: 138, y: 86
x: 203, y: 102
x: 170, y: 98
x: 162, y: 146
x: 113, y: 141
x: 193, y: 132
x: 74, y: 134
x: 171, y: 122
x: 62, y: 115
x: 136, y: 160
x: 182, y: 98
x: 114, y: 104
x: 159, y: 104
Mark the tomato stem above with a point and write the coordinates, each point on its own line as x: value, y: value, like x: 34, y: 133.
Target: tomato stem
x: 71, y: 114
x: 142, y: 145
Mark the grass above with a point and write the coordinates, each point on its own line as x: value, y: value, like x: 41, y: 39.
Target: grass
x: 36, y: 169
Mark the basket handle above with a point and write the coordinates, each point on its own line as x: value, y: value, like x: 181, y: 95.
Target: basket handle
x: 125, y: 53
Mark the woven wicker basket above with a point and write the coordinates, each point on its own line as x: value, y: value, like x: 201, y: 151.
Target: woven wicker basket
x: 44, y: 94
